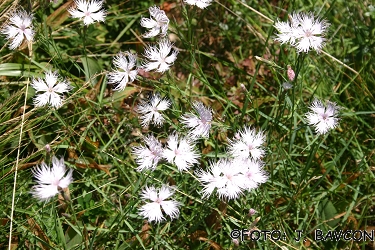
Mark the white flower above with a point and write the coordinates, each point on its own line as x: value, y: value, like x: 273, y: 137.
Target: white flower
x: 253, y: 172
x: 51, y: 179
x: 90, y: 11
x: 157, y: 24
x: 20, y: 26
x: 224, y: 177
x: 160, y: 57
x: 303, y: 32
x: 287, y: 30
x: 249, y: 144
x: 150, y: 110
x: 310, y: 33
x: 126, y: 70
x: 321, y: 117
x: 200, y: 126
x: 152, y: 211
x: 180, y: 152
x: 148, y: 156
x: 52, y: 89
x: 199, y: 3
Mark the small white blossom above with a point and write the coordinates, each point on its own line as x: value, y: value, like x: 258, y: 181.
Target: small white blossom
x: 158, y: 23
x: 91, y: 11
x: 160, y: 57
x: 224, y: 177
x: 147, y: 157
x: 200, y: 125
x: 180, y: 152
x: 321, y: 117
x: 253, y: 172
x: 303, y: 32
x: 51, y: 179
x: 52, y: 89
x: 150, y: 110
x: 152, y: 210
x: 126, y: 70
x: 19, y: 27
x: 199, y: 3
x: 248, y: 145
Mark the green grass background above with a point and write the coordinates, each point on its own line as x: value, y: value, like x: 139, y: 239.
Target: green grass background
x: 315, y: 182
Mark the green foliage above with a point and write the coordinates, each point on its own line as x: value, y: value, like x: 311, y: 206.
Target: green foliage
x: 228, y: 60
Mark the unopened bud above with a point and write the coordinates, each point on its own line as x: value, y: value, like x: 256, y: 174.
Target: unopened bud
x: 291, y: 74
x: 243, y: 87
x: 252, y: 212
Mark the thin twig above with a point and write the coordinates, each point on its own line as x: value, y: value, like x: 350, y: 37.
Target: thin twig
x: 30, y: 45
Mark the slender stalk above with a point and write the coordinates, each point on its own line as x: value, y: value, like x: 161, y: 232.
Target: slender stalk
x: 30, y: 46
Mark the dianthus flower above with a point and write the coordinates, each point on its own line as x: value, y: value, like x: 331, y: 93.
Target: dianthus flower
x: 321, y: 117
x: 150, y: 110
x: 158, y: 23
x: 126, y: 70
x: 50, y: 180
x: 52, y: 88
x: 19, y: 27
x: 200, y: 125
x: 160, y: 57
x: 152, y: 210
x: 303, y: 31
x: 91, y: 11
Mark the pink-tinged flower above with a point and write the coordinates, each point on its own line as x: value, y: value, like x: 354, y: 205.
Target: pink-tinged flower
x: 158, y: 23
x: 91, y: 11
x: 199, y: 3
x: 148, y: 156
x: 304, y: 32
x: 224, y: 177
x: 18, y: 28
x: 126, y: 70
x: 200, y: 125
x: 180, y: 152
x: 152, y: 210
x: 50, y: 180
x: 253, y: 172
x: 160, y: 57
x: 52, y: 88
x: 150, y: 110
x: 310, y: 33
x: 249, y: 144
x: 323, y: 118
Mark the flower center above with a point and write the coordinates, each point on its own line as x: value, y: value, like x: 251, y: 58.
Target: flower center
x: 308, y: 33
x: 87, y: 13
x: 50, y: 89
x: 23, y: 27
x: 324, y: 116
x: 229, y: 177
x: 158, y: 200
x: 56, y: 183
x: 249, y: 175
